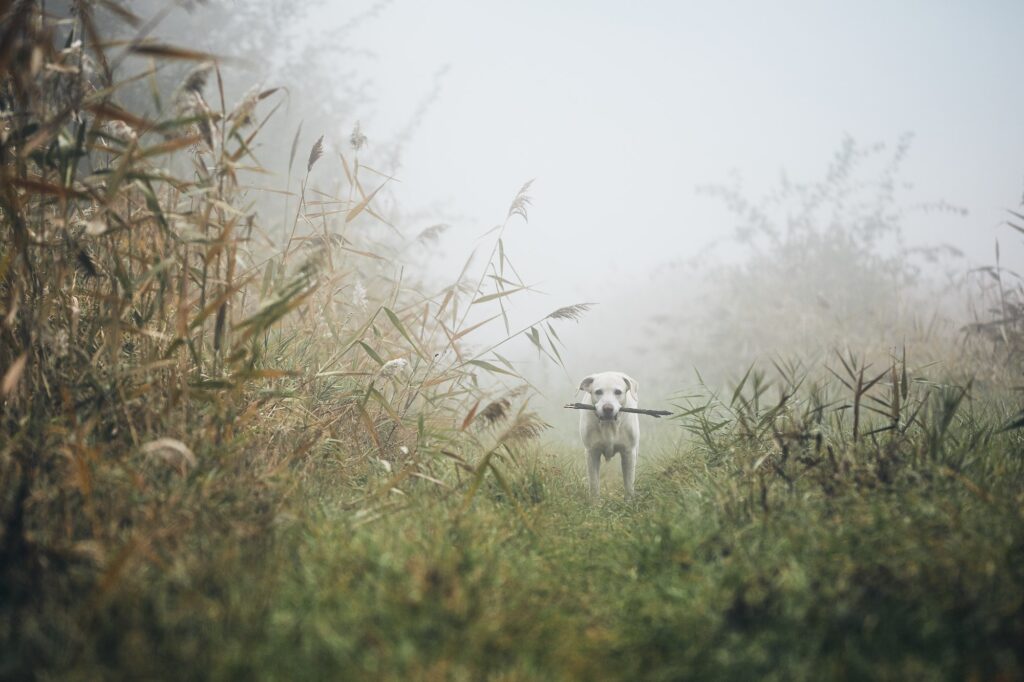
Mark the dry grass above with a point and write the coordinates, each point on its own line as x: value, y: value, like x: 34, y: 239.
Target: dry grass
x: 162, y: 350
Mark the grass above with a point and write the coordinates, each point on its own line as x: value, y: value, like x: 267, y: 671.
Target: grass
x: 919, y: 579
x: 237, y: 449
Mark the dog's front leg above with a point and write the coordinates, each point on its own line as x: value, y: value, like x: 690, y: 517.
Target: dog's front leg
x: 594, y: 472
x: 628, y: 471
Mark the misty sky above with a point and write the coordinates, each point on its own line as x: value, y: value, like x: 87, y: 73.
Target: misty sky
x: 620, y: 109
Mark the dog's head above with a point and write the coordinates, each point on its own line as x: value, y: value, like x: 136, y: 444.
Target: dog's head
x: 608, y: 391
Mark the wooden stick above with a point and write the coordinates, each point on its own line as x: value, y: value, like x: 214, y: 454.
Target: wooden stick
x: 629, y: 410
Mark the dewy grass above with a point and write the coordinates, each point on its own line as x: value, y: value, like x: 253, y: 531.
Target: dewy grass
x: 232, y: 449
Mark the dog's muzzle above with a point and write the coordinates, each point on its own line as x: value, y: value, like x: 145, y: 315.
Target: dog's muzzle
x: 607, y: 413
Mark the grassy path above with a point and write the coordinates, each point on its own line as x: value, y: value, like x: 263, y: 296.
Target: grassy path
x: 691, y: 581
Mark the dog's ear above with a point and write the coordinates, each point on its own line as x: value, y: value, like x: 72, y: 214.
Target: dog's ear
x: 632, y: 385
x: 586, y: 383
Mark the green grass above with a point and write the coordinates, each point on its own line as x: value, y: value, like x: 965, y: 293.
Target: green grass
x: 917, y: 580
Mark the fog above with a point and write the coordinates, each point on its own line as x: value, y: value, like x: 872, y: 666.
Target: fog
x: 621, y: 113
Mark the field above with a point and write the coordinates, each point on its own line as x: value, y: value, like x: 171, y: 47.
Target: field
x: 237, y: 443
x: 700, y: 578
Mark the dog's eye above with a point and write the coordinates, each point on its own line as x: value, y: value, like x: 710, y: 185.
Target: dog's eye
x: 618, y: 392
x: 598, y: 392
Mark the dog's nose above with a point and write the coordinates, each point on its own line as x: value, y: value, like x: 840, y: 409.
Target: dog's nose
x: 607, y: 410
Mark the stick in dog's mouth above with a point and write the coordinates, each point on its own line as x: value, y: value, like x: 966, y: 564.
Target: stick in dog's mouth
x: 628, y: 410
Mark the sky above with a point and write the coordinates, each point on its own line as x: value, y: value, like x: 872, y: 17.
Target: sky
x: 619, y: 111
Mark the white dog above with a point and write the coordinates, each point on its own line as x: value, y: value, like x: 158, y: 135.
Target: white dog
x: 606, y: 433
